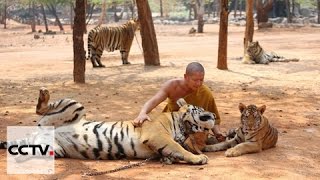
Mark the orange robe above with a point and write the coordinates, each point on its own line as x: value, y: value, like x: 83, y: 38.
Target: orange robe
x: 203, y: 97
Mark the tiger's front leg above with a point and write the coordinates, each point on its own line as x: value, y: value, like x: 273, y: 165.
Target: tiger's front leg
x: 220, y: 146
x: 243, y: 148
x: 167, y: 147
x: 124, y: 57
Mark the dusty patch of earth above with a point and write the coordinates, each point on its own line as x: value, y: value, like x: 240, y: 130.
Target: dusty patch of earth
x: 289, y: 90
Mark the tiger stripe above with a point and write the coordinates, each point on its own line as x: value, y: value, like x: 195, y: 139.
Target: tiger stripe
x: 254, y: 134
x: 84, y: 139
x: 111, y: 39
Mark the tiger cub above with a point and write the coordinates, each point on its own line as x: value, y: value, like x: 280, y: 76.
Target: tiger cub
x: 254, y: 134
x: 256, y: 55
x: 163, y: 136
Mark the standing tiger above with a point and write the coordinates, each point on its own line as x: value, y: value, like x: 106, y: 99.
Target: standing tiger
x: 76, y: 137
x: 254, y: 134
x: 256, y: 55
x: 111, y: 39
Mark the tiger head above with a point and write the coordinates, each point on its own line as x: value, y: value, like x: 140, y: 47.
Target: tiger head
x: 134, y: 24
x: 251, y: 117
x: 253, y: 48
x: 195, y: 119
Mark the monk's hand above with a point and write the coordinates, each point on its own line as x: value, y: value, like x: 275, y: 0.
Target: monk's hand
x: 140, y: 119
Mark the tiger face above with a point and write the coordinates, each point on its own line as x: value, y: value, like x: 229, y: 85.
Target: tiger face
x: 134, y: 23
x: 196, y: 118
x: 253, y: 49
x: 251, y: 117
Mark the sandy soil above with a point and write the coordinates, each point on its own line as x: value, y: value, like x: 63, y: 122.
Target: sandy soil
x: 289, y: 90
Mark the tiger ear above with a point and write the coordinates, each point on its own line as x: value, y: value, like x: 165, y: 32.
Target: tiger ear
x: 181, y: 102
x: 242, y: 107
x: 262, y: 108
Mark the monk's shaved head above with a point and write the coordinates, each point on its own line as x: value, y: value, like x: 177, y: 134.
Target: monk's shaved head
x: 194, y: 67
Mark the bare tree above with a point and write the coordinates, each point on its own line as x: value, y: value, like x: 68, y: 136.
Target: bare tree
x: 263, y: 8
x: 235, y: 8
x: 79, y: 54
x: 248, y: 36
x: 223, y: 35
x: 44, y: 17
x: 52, y: 8
x: 289, y: 15
x: 71, y: 14
x: 200, y: 11
x: 318, y: 11
x: 161, y: 8
x: 148, y: 34
x: 192, y: 8
x: 33, y: 18
x: 5, y: 14
x: 103, y: 12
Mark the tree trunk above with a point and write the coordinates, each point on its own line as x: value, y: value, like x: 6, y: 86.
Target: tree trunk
x: 248, y: 36
x: 44, y: 18
x: 200, y: 23
x: 263, y: 10
x: 161, y: 9
x: 318, y: 11
x: 79, y: 59
x: 33, y: 20
x: 89, y: 12
x: 223, y: 36
x: 200, y: 10
x: 219, y: 7
x: 293, y: 7
x: 71, y: 15
x: 5, y: 15
x: 148, y: 34
x: 235, y: 8
x: 52, y: 9
x: 288, y: 6
x: 240, y: 8
x: 194, y: 9
x: 103, y: 12
x: 131, y: 7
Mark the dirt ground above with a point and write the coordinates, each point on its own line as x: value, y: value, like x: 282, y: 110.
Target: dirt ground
x: 289, y: 90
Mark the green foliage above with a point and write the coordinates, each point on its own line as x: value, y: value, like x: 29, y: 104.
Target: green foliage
x: 307, y: 3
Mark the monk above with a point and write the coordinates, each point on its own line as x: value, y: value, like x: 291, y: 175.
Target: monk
x: 192, y: 89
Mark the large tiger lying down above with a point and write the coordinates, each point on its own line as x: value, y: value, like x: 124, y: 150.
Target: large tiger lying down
x: 76, y: 137
x: 254, y: 134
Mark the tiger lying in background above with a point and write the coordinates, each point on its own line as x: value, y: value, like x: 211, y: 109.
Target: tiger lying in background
x: 76, y: 137
x: 256, y: 55
x: 254, y: 134
x: 111, y: 39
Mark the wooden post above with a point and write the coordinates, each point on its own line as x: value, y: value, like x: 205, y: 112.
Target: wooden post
x: 79, y: 55
x: 148, y: 34
x: 223, y: 36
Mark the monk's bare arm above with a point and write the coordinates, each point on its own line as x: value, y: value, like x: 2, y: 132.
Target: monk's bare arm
x: 160, y: 96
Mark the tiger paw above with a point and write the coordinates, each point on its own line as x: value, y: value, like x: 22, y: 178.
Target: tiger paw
x: 201, y: 159
x: 232, y: 152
